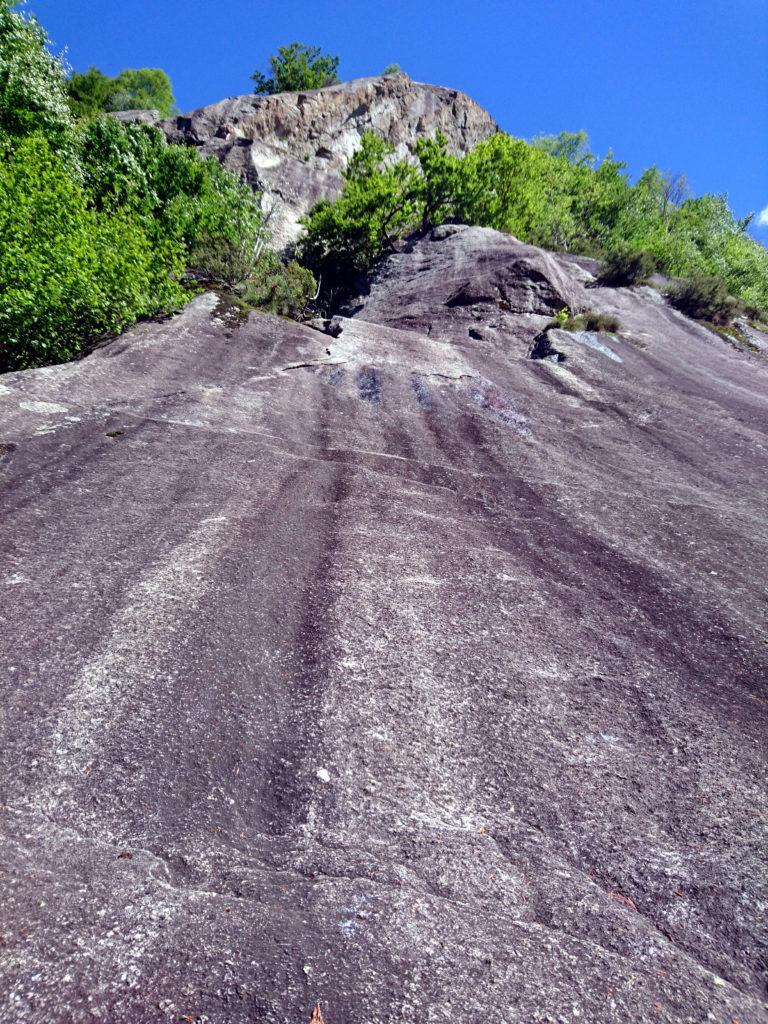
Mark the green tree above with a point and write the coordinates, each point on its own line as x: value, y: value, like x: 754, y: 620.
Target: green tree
x: 440, y: 190
x: 573, y: 146
x: 551, y: 195
x: 70, y: 273
x: 91, y: 92
x: 177, y: 195
x: 141, y: 89
x: 378, y: 205
x: 518, y: 188
x: 392, y: 69
x: 88, y: 91
x: 32, y: 82
x: 297, y: 68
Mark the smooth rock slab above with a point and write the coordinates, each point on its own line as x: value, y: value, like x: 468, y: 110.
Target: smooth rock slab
x: 394, y: 670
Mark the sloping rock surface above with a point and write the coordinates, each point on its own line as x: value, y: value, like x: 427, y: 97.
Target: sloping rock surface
x: 293, y: 146
x: 383, y: 665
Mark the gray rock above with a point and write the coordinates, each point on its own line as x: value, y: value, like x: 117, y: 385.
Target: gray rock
x: 293, y: 146
x: 755, y: 338
x: 564, y: 342
x: 461, y: 278
x: 387, y: 668
x: 136, y: 116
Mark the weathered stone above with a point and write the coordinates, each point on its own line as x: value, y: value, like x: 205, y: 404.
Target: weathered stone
x: 390, y: 670
x: 458, y: 278
x: 294, y: 145
x: 136, y: 116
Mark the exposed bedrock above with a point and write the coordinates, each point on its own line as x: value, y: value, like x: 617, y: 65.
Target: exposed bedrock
x: 293, y: 146
x: 379, y: 664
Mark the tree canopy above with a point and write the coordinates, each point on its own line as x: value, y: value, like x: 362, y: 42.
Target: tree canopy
x: 91, y: 92
x: 297, y: 68
x: 98, y: 220
x: 32, y: 93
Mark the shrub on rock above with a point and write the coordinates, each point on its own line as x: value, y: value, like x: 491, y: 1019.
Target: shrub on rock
x: 704, y: 298
x: 297, y: 68
x: 624, y: 267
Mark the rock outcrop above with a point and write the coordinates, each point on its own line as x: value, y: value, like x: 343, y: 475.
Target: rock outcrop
x: 385, y: 666
x: 294, y: 145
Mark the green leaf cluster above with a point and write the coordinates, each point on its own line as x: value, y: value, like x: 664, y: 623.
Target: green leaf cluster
x: 278, y: 288
x: 98, y: 220
x: 297, y: 68
x: 33, y: 96
x: 70, y: 271
x: 91, y: 92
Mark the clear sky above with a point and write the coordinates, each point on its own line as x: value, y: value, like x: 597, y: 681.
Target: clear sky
x: 682, y: 84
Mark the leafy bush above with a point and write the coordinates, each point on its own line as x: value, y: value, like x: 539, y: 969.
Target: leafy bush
x: 69, y: 272
x: 623, y: 267
x: 97, y: 220
x: 392, y: 69
x: 225, y: 262
x: 704, y: 298
x: 279, y: 288
x: 297, y: 68
x: 378, y: 205
x: 241, y: 265
x: 32, y: 93
x: 92, y: 92
x: 178, y: 195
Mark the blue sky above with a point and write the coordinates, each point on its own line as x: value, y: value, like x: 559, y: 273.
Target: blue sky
x: 680, y: 83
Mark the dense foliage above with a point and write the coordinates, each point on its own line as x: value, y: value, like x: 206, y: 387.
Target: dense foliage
x: 100, y: 222
x: 282, y: 289
x: 297, y: 68
x: 624, y: 267
x: 32, y: 98
x: 704, y: 298
x: 91, y: 245
x: 70, y: 271
x: 91, y: 92
x: 551, y: 193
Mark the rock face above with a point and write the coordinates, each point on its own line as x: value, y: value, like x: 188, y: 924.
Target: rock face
x: 294, y: 145
x: 136, y: 116
x: 460, y: 278
x: 386, y: 666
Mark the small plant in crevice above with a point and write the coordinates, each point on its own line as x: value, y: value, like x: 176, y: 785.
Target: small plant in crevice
x: 589, y: 320
x: 561, y: 318
x: 599, y: 322
x: 731, y: 334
